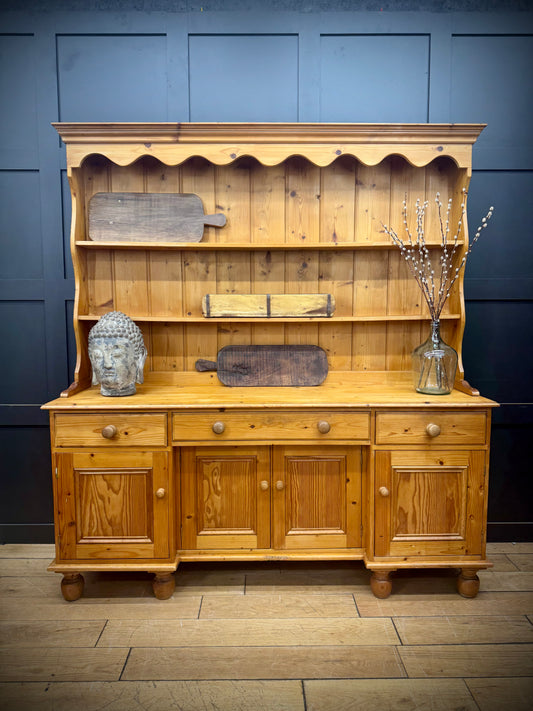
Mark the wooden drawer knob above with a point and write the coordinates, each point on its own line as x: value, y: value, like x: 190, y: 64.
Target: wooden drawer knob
x: 433, y: 429
x: 264, y: 485
x: 218, y: 427
x: 160, y: 493
x: 280, y: 485
x: 324, y: 426
x: 384, y: 491
x: 109, y: 431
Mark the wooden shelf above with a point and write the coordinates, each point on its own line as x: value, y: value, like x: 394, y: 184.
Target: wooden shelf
x: 286, y: 319
x: 242, y: 246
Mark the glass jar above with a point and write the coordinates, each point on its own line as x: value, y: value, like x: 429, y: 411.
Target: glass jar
x: 434, y: 364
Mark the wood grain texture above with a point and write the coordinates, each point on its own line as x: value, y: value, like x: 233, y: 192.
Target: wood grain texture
x: 268, y: 305
x: 115, y: 512
x: 412, y: 428
x: 262, y: 663
x: 147, y: 217
x: 27, y: 551
x: 223, y: 504
x: 519, y: 581
x: 410, y: 519
x: 495, y: 694
x: 346, y: 390
x: 271, y: 426
x: 332, y: 193
x: 306, y: 213
x: 51, y: 663
x: 397, y: 694
x: 82, y: 633
x: 278, y: 606
x: 85, y: 430
x: 464, y: 630
x: 190, y: 695
x: 304, y: 632
x: 522, y: 561
x: 315, y: 497
x: 340, y: 658
x: 102, y: 608
x: 270, y: 366
x: 487, y: 604
x: 308, y: 579
x: 482, y: 660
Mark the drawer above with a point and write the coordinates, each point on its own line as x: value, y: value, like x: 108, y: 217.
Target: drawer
x: 437, y: 427
x: 270, y: 426
x: 110, y: 430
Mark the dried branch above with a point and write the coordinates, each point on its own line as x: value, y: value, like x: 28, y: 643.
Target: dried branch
x: 435, y: 289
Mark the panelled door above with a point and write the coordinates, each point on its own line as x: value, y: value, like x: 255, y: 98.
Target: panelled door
x: 429, y: 503
x: 113, y: 504
x: 301, y: 498
x: 225, y: 497
x: 316, y: 494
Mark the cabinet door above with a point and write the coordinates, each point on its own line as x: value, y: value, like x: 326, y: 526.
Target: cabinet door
x: 429, y: 503
x: 225, y: 497
x: 113, y: 505
x: 316, y: 497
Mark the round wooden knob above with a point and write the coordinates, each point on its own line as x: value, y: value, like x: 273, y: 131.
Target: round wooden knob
x: 160, y: 493
x: 109, y: 431
x: 264, y: 485
x: 324, y: 427
x: 280, y: 485
x: 218, y: 427
x: 433, y: 429
x: 384, y: 491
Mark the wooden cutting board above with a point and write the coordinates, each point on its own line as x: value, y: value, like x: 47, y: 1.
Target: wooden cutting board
x: 149, y: 217
x: 268, y: 366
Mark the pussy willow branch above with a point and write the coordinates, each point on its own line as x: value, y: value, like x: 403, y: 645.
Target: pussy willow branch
x: 435, y: 289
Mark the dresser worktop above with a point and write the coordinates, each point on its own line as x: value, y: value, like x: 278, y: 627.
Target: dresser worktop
x: 193, y: 390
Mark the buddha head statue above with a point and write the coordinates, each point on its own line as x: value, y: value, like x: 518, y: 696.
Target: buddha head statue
x: 117, y: 354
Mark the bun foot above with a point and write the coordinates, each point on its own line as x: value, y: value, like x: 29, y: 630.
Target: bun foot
x: 468, y: 583
x: 380, y: 583
x: 72, y: 586
x: 163, y: 585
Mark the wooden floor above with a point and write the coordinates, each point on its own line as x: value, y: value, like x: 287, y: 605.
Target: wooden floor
x: 266, y: 637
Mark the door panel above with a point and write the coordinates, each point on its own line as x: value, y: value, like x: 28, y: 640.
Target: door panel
x: 429, y: 503
x: 316, y: 497
x: 110, y: 508
x: 225, y: 497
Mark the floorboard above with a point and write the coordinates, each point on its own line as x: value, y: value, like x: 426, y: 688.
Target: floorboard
x: 266, y: 637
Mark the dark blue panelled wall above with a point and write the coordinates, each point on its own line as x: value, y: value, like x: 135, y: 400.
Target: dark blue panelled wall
x: 259, y: 61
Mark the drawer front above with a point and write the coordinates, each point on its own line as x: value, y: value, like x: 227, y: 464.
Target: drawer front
x: 274, y: 426
x: 110, y: 430
x: 468, y: 428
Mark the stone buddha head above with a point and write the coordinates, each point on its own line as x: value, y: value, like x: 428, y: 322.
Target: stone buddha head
x: 117, y: 354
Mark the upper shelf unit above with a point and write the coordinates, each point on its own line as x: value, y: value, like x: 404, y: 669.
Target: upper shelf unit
x: 304, y: 205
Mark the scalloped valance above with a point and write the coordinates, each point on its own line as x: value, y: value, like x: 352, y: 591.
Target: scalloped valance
x: 269, y: 143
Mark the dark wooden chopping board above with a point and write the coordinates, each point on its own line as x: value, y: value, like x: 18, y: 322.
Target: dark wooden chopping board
x: 149, y: 217
x: 268, y: 366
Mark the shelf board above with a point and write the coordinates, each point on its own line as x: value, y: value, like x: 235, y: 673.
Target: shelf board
x: 241, y: 246
x: 287, y: 320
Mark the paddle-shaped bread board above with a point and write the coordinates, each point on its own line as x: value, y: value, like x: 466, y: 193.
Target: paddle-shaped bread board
x: 149, y: 217
x: 269, y: 366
